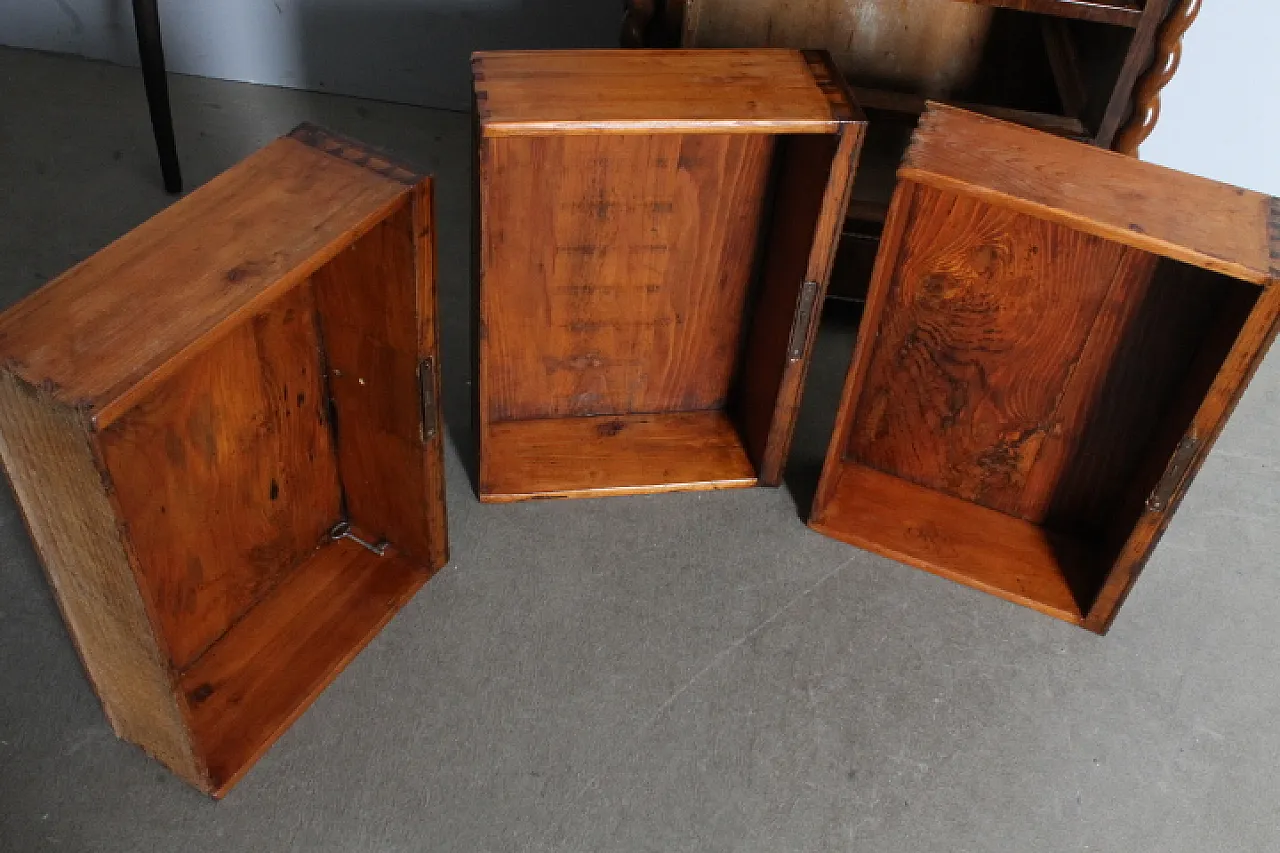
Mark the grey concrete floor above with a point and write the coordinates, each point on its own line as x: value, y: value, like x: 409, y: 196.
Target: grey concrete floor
x: 679, y: 672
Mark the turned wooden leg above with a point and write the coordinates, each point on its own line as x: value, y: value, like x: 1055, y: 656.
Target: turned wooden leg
x: 146, y: 19
x: 1146, y: 98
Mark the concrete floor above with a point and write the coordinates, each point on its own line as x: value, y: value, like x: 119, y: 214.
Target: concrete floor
x: 680, y: 672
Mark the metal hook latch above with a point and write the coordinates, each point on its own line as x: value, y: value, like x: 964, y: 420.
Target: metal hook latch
x: 342, y: 530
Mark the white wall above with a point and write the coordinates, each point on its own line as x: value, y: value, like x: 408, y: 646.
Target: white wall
x: 1218, y: 117
x: 410, y: 51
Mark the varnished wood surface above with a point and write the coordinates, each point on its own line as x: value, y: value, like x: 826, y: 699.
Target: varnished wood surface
x: 54, y: 471
x: 1124, y: 13
x: 984, y: 322
x: 1149, y: 207
x: 896, y: 222
x: 616, y: 267
x: 929, y: 46
x: 433, y: 514
x: 815, y: 185
x: 390, y: 470
x: 804, y: 171
x: 616, y: 271
x: 272, y: 665
x: 179, y: 507
x: 976, y: 546
x: 153, y: 298
x: 226, y: 474
x: 1021, y: 377
x: 1148, y: 364
x: 1229, y: 382
x: 633, y: 454
x: 648, y: 91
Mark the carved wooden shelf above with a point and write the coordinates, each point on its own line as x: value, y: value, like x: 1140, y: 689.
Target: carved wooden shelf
x: 623, y: 218
x: 1054, y: 337
x: 168, y: 419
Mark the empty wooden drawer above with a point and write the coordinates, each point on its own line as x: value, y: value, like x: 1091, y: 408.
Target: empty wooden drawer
x: 1054, y: 337
x: 656, y: 233
x: 169, y: 414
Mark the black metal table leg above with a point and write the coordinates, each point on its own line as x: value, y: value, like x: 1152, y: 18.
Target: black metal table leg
x: 146, y: 19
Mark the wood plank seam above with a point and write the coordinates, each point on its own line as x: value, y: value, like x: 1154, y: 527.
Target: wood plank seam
x: 1055, y: 415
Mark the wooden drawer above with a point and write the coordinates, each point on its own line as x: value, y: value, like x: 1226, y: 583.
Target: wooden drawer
x: 1053, y: 338
x: 169, y: 414
x: 656, y: 234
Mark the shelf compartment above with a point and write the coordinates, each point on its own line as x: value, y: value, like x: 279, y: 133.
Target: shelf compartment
x: 250, y: 686
x: 959, y: 540
x: 913, y: 105
x: 652, y: 263
x: 1043, y: 363
x: 614, y: 455
x: 195, y: 476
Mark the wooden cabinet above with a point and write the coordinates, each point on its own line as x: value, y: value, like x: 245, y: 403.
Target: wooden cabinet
x: 1054, y: 337
x: 1090, y: 70
x: 656, y: 231
x: 222, y: 433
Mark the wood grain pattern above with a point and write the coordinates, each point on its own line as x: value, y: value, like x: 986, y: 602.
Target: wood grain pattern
x: 1148, y: 207
x: 619, y: 272
x: 645, y: 91
x: 47, y: 452
x: 273, y: 664
x: 632, y: 454
x: 809, y: 210
x: 985, y: 320
x: 433, y: 511
x: 959, y: 540
x: 226, y: 474
x: 928, y: 46
x: 1229, y: 380
x: 1145, y: 377
x: 1146, y: 96
x: 892, y: 246
x: 616, y: 271
x: 1123, y: 13
x: 1021, y: 384
x: 208, y: 260
x: 167, y: 416
x: 373, y: 352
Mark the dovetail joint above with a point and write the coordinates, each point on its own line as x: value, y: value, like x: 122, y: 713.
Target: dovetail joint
x: 1274, y: 228
x: 354, y: 152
